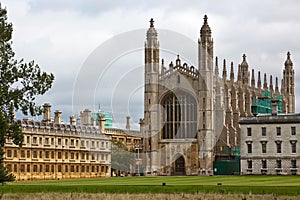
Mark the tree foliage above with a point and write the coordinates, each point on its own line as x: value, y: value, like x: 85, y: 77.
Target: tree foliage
x: 121, y: 157
x: 20, y: 83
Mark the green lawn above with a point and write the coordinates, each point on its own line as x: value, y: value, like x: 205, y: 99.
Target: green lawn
x: 280, y: 185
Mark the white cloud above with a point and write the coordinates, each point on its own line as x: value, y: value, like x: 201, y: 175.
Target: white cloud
x: 60, y: 34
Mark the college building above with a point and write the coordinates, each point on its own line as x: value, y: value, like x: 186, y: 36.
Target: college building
x: 192, y: 113
x: 270, y: 144
x: 52, y: 150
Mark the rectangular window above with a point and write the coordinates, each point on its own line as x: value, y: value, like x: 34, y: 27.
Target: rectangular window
x: 34, y: 140
x: 22, y: 168
x: 59, y: 155
x: 41, y: 140
x: 72, y: 155
x: 34, y: 154
x: 294, y: 147
x: 59, y: 141
x: 59, y: 168
x: 278, y: 131
x: 294, y: 163
x: 46, y: 140
x: 72, y: 168
x: 35, y: 169
x: 15, y: 153
x: 278, y: 163
x: 264, y: 147
x: 278, y: 147
x: 47, y: 168
x: 72, y: 142
x: 52, y: 168
x: 264, y: 164
x: 8, y: 153
x: 28, y: 153
x: 28, y: 139
x: 66, y: 142
x: 293, y: 130
x: 52, y: 154
x: 28, y: 168
x: 52, y: 141
x: 41, y: 168
x: 66, y: 168
x: 41, y: 154
x: 47, y: 154
x: 249, y: 146
x: 22, y: 154
x: 263, y: 131
x: 249, y: 131
x: 66, y: 155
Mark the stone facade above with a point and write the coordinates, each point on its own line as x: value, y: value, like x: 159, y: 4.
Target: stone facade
x: 270, y: 144
x: 52, y: 150
x: 189, y: 111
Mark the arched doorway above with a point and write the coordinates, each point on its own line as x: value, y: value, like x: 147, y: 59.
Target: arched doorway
x: 179, y: 166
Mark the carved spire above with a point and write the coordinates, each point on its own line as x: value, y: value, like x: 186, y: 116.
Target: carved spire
x: 205, y: 32
x: 259, y: 81
x: 217, y: 68
x: 276, y: 86
x: 288, y: 62
x: 231, y: 72
x: 239, y: 74
x: 224, y: 70
x: 271, y: 85
x: 152, y: 40
x: 162, y: 66
x: 253, y: 79
x: 245, y: 75
x: 282, y: 87
x: 265, y: 82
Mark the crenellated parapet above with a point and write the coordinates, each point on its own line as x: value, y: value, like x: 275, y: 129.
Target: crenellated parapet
x: 185, y: 69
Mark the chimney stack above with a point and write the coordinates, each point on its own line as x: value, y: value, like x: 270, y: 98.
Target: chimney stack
x: 73, y: 120
x: 47, y: 112
x: 102, y: 123
x: 57, y: 117
x: 128, y: 123
x: 274, y: 107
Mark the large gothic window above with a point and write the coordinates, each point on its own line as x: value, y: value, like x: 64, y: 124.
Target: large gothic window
x: 179, y: 116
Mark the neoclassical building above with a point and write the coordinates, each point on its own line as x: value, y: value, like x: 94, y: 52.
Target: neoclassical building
x: 53, y: 150
x: 192, y: 113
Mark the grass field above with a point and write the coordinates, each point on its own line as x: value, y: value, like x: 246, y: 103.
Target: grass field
x: 276, y: 185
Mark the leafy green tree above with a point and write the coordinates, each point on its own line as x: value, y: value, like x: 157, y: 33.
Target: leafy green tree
x: 121, y: 157
x: 20, y: 83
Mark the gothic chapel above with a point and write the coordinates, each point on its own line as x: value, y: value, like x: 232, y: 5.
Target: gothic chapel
x: 191, y: 113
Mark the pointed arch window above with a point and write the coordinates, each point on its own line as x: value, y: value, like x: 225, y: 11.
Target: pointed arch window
x: 179, y: 116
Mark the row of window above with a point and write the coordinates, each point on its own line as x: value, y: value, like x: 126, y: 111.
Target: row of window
x: 72, y: 142
x: 278, y: 164
x: 51, y: 154
x: 264, y: 131
x: 51, y: 168
x: 278, y: 147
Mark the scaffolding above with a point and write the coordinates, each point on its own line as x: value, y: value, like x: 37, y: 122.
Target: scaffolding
x: 263, y: 104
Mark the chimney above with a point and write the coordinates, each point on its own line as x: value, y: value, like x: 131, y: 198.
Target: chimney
x: 128, y: 123
x: 85, y: 117
x: 102, y: 123
x: 47, y: 112
x: 274, y: 107
x: 57, y: 117
x: 73, y: 120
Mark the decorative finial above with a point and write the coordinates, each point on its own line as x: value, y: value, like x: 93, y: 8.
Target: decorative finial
x: 288, y: 55
x: 151, y: 22
x: 205, y: 19
x: 244, y: 57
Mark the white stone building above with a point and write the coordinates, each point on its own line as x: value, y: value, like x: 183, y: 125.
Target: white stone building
x: 270, y: 144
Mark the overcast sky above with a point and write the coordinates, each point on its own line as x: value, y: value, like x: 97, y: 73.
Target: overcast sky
x: 61, y: 34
